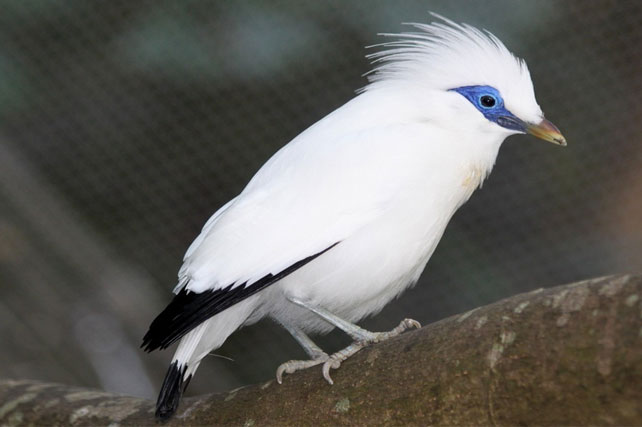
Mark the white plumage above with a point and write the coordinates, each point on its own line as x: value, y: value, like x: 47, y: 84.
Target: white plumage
x: 375, y: 181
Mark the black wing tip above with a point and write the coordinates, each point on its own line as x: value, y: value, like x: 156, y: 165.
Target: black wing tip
x: 163, y: 330
x: 171, y: 391
x: 189, y: 309
x: 150, y: 343
x: 147, y: 345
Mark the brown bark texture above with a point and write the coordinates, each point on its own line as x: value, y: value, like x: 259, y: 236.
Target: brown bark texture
x: 569, y: 355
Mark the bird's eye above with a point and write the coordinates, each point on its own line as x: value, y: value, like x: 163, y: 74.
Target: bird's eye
x: 487, y: 101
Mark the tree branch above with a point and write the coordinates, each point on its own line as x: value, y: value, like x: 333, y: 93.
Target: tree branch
x: 566, y: 355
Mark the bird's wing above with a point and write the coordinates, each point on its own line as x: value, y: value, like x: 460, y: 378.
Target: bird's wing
x: 276, y: 226
x: 188, y: 309
x: 312, y: 194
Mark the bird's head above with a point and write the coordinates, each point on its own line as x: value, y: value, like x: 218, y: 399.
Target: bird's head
x: 468, y: 76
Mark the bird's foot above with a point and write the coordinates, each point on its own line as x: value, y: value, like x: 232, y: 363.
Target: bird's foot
x: 334, y: 361
x: 403, y: 327
x: 292, y: 366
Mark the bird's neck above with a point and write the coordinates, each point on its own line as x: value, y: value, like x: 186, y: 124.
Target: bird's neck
x: 479, y: 156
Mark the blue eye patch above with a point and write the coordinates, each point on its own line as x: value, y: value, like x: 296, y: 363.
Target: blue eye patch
x: 490, y: 103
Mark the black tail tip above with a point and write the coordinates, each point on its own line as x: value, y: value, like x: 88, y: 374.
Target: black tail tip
x: 171, y: 391
x: 164, y: 413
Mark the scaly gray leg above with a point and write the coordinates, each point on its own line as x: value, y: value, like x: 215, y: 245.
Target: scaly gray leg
x: 362, y: 338
x: 308, y: 345
x: 317, y: 356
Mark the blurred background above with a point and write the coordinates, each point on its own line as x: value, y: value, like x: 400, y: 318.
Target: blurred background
x: 125, y: 124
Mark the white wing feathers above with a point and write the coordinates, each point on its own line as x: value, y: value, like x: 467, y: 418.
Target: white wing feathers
x: 266, y: 229
x: 316, y: 191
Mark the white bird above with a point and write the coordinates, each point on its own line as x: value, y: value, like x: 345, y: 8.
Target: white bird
x: 345, y: 217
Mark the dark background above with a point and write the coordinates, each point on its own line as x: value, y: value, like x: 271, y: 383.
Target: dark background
x: 125, y: 124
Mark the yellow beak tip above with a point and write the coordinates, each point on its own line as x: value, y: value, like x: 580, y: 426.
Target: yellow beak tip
x: 548, y: 132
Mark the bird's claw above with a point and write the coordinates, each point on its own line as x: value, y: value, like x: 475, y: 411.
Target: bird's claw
x: 331, y: 363
x: 411, y: 323
x: 283, y: 368
x: 292, y: 366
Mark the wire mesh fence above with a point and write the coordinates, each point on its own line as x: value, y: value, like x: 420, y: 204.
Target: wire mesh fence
x: 126, y: 124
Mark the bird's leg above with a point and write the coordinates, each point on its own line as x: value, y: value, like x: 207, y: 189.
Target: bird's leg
x: 362, y: 338
x: 317, y: 356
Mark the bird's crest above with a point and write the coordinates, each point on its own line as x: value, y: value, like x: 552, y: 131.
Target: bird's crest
x: 445, y: 55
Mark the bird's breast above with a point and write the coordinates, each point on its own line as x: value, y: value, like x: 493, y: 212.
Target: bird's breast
x: 473, y: 177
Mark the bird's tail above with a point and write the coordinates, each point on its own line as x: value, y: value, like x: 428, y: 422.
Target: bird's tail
x: 180, y: 372
x: 171, y: 391
x: 195, y: 345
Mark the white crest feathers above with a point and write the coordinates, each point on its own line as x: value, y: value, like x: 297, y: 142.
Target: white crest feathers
x: 446, y: 55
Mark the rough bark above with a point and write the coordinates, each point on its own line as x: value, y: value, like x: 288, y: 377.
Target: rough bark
x: 569, y: 355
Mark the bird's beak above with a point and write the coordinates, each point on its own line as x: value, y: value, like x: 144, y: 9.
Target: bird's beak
x: 547, y: 131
